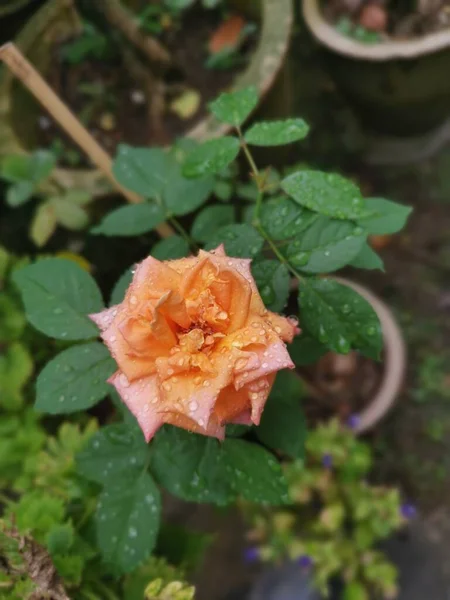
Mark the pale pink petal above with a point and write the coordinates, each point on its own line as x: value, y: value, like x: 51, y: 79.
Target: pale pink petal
x: 142, y: 398
x: 244, y: 418
x: 104, y: 318
x: 272, y: 358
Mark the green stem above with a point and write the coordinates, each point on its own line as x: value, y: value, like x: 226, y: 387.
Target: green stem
x: 256, y: 175
x: 184, y: 234
x: 277, y: 253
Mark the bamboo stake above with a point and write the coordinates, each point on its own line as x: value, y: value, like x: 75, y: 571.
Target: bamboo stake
x: 29, y: 76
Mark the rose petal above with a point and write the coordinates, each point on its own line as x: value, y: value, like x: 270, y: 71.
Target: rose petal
x: 142, y: 398
x: 104, y: 318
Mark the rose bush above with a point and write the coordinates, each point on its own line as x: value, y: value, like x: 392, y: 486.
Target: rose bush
x: 192, y: 334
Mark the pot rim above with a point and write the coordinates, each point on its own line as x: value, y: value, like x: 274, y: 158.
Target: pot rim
x: 332, y: 39
x: 394, y: 362
x: 264, y: 65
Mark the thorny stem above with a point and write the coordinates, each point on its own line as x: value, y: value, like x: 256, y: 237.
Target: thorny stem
x: 259, y: 199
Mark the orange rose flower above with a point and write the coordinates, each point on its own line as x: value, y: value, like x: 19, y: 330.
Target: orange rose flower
x: 194, y: 344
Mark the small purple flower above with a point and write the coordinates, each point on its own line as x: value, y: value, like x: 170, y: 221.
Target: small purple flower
x: 408, y: 511
x: 251, y: 554
x: 353, y: 421
x: 327, y: 461
x: 305, y: 562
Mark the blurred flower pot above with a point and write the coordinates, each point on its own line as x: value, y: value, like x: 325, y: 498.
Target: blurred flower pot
x: 393, y: 367
x: 58, y: 20
x: 398, y: 88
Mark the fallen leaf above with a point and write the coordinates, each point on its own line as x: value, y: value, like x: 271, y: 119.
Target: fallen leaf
x: 228, y: 34
x: 186, y: 105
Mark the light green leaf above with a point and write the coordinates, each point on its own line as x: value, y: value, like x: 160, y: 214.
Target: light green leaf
x: 339, y: 317
x: 253, y: 472
x: 19, y: 193
x: 367, y: 258
x: 272, y: 279
x: 210, y: 219
x: 211, y: 157
x: 235, y: 107
x: 127, y: 519
x: 43, y: 224
x: 182, y: 195
x: 282, y: 218
x: 276, y: 133
x: 171, y: 248
x: 70, y: 215
x: 121, y: 286
x: 329, y: 194
x: 58, y: 296
x: 12, y: 319
x: 189, y: 466
x: 283, y: 425
x: 327, y: 245
x: 240, y: 240
x: 130, y: 220
x: 79, y: 197
x: 114, y: 451
x: 305, y: 349
x: 75, y: 379
x: 386, y: 217
x: 355, y: 591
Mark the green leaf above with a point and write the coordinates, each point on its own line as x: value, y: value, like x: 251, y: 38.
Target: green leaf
x: 272, y: 279
x: 367, y: 258
x: 60, y: 538
x: 130, y: 220
x: 386, y: 217
x: 189, y: 466
x: 69, y: 214
x: 283, y: 425
x: 282, y: 218
x: 239, y: 239
x: 305, y: 349
x: 253, y: 472
x: 327, y: 245
x: 223, y: 190
x: 211, y: 157
x: 43, y: 224
x: 15, y: 167
x: 235, y: 107
x: 276, y: 133
x: 127, y: 518
x: 42, y: 163
x: 37, y: 512
x: 329, y: 194
x: 19, y: 193
x: 210, y: 219
x: 157, y: 174
x: 12, y: 319
x: 236, y: 430
x: 172, y: 247
x: 339, y: 317
x: 121, y: 286
x: 142, y: 170
x: 113, y: 452
x: 355, y: 591
x: 58, y: 296
x: 75, y: 379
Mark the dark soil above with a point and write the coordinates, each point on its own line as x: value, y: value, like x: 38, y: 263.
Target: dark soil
x: 111, y: 97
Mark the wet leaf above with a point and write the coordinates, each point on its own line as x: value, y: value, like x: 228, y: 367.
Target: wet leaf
x: 276, y: 133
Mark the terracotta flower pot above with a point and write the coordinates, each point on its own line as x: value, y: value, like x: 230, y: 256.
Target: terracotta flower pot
x: 397, y: 88
x: 57, y: 19
x: 394, y: 363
